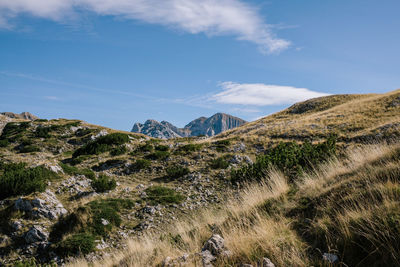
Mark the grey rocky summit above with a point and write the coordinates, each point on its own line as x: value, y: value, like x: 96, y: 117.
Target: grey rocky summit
x: 211, y: 126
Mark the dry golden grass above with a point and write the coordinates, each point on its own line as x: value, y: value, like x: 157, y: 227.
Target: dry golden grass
x: 357, y: 202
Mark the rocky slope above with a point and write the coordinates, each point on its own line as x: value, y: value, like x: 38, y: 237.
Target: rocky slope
x: 214, y: 125
x: 91, y: 188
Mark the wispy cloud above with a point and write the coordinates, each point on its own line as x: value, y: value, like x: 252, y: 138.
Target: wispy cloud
x: 211, y: 17
x: 258, y: 94
x: 53, y: 98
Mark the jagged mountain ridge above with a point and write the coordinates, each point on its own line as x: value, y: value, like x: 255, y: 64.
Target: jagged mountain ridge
x: 211, y: 126
x: 22, y: 116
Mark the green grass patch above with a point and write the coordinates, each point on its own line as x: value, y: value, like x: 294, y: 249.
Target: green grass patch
x: 80, y: 243
x: 72, y: 170
x: 220, y: 163
x: 176, y: 171
x: 190, y: 148
x: 163, y: 195
x: 118, y: 151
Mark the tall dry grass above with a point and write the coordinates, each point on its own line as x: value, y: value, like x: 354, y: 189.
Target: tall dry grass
x: 355, y: 215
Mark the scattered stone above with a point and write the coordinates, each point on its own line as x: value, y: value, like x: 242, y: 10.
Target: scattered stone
x: 329, y: 257
x: 245, y: 265
x: 140, y: 186
x: 36, y: 234
x: 104, y: 222
x: 240, y: 147
x: 55, y: 168
x: 47, y: 206
x: 207, y: 258
x: 266, y: 263
x: 17, y: 225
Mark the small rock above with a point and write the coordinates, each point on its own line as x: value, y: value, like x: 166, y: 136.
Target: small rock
x: 104, y: 222
x: 36, y: 234
x: 266, y: 263
x: 331, y: 258
x: 207, y: 257
x: 140, y: 186
x: 245, y: 265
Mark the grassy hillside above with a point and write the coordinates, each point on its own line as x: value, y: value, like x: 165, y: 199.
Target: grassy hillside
x: 354, y: 118
x: 347, y: 207
x: 72, y: 190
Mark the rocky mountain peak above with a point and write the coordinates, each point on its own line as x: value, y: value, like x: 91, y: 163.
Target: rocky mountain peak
x: 211, y: 126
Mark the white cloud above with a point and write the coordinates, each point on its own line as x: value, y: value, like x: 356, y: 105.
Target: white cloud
x: 212, y: 17
x: 258, y: 94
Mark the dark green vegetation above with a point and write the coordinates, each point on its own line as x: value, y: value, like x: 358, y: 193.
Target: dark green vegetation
x: 140, y: 164
x: 221, y: 145
x: 104, y: 183
x: 72, y: 170
x: 163, y: 195
x: 190, y: 148
x: 220, y: 163
x: 176, y: 171
x: 13, y: 131
x: 118, y: 151
x: 290, y: 157
x: 102, y: 144
x: 80, y: 243
x: 158, y: 155
x: 16, y: 179
x: 88, y: 223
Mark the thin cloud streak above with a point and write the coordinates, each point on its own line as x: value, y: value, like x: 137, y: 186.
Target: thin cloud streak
x: 75, y: 85
x: 211, y: 17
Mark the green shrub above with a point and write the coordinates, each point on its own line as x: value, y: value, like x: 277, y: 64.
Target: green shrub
x: 163, y: 195
x: 4, y: 143
x: 14, y: 129
x: 104, y: 183
x: 29, y: 149
x: 81, y: 243
x: 162, y: 148
x: 83, y: 132
x: 176, y: 171
x: 158, y: 155
x: 221, y: 145
x: 41, y: 120
x: 102, y: 144
x: 16, y: 179
x: 219, y: 163
x: 72, y: 170
x: 107, y: 209
x: 118, y: 151
x: 42, y: 132
x: 146, y: 148
x: 79, y: 159
x: 190, y: 147
x: 291, y: 158
x: 140, y: 164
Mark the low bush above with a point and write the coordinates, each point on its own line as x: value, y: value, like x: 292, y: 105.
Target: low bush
x: 219, y: 163
x: 291, y: 158
x: 176, y: 171
x: 221, y: 145
x: 80, y: 243
x: 72, y: 170
x: 13, y: 129
x: 162, y: 148
x: 163, y: 195
x: 4, y: 143
x: 102, y: 144
x: 16, y: 179
x: 103, y: 184
x: 29, y: 149
x: 107, y: 209
x: 140, y: 164
x: 146, y: 148
x: 158, y: 155
x: 78, y: 160
x: 118, y: 151
x: 190, y: 148
x: 42, y: 132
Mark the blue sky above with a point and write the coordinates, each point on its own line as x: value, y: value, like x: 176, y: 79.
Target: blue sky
x: 116, y: 62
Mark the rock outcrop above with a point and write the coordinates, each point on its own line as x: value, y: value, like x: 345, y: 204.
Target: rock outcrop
x: 22, y: 116
x: 214, y: 125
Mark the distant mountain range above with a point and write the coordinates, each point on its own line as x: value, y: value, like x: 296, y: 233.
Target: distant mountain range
x: 202, y: 126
